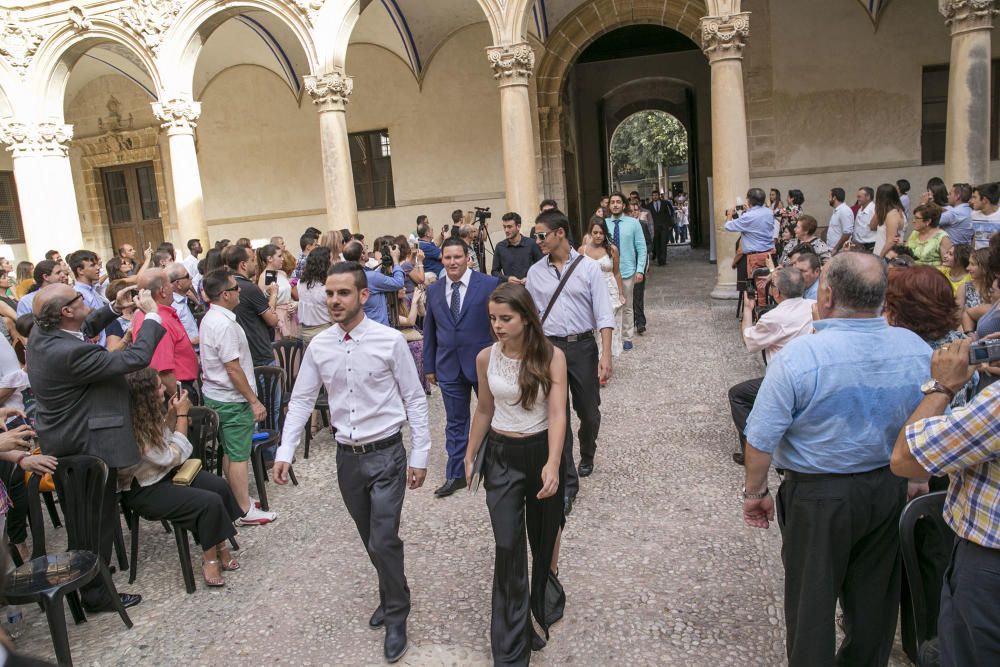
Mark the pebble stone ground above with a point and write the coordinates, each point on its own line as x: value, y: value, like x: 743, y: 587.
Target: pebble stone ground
x: 657, y: 564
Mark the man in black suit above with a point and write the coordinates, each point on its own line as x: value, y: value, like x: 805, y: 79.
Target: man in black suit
x: 82, y: 398
x: 663, y: 223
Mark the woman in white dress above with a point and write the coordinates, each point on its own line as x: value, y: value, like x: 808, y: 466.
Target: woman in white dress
x: 600, y: 249
x: 271, y: 264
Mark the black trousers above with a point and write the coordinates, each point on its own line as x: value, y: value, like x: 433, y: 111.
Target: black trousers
x: 207, y: 508
x: 94, y: 594
x: 372, y: 486
x: 17, y: 517
x: 512, y: 477
x: 639, y: 303
x: 741, y: 400
x: 840, y: 540
x: 661, y: 234
x: 969, y: 626
x: 585, y: 392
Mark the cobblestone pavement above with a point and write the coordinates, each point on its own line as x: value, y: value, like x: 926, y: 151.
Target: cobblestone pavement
x: 657, y: 564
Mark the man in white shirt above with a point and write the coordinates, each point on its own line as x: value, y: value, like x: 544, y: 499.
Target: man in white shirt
x: 841, y: 221
x: 191, y: 263
x: 369, y: 367
x: 985, y: 204
x: 228, y: 388
x: 863, y: 235
x: 791, y: 318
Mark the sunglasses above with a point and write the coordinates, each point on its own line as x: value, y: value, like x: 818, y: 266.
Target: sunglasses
x: 76, y: 298
x: 234, y: 288
x: 541, y: 236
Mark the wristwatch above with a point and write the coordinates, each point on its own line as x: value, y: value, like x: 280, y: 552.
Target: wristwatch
x: 932, y: 386
x: 756, y: 496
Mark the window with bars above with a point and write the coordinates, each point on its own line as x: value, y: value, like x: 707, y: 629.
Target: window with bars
x: 934, y: 113
x: 11, y: 229
x: 371, y: 163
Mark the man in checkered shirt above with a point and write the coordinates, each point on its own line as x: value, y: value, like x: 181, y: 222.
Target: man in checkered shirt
x: 965, y: 445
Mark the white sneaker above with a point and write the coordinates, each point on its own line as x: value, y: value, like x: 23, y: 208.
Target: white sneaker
x: 256, y: 517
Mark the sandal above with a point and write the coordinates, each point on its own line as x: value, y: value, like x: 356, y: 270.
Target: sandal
x: 214, y: 582
x: 228, y: 564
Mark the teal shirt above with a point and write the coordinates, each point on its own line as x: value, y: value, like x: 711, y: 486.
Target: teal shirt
x: 632, y: 255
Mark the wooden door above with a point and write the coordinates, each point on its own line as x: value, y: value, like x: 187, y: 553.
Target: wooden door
x: 133, y: 205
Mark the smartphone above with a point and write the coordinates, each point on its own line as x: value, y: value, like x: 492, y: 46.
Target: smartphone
x: 270, y: 277
x: 14, y: 422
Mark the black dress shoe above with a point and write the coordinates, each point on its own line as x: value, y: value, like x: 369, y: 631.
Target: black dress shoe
x: 450, y: 487
x: 378, y: 618
x: 567, y: 505
x: 128, y: 600
x: 585, y: 469
x: 395, y: 642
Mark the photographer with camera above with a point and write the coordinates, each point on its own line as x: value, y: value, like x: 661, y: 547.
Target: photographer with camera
x: 791, y: 318
x: 962, y: 445
x: 379, y: 283
x: 430, y: 246
x: 756, y: 227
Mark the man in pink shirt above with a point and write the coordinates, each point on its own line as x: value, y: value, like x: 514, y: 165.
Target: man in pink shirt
x: 174, y: 357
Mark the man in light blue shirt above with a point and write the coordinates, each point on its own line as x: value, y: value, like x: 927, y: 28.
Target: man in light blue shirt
x: 47, y: 272
x: 957, y: 217
x: 86, y: 268
x: 841, y: 225
x: 180, y: 281
x: 626, y: 234
x: 756, y: 224
x: 809, y: 265
x: 828, y: 412
x: 379, y: 284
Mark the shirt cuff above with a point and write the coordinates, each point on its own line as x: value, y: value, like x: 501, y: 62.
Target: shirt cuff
x: 418, y: 459
x: 285, y: 453
x: 154, y: 317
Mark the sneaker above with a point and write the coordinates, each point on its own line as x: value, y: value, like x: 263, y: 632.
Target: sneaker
x: 256, y: 517
x: 627, y: 345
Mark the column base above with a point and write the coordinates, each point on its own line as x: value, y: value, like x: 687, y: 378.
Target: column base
x: 726, y: 291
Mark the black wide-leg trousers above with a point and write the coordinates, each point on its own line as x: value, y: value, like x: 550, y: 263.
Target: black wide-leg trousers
x: 206, y: 508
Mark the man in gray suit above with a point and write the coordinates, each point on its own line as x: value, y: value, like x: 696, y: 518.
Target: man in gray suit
x: 82, y: 398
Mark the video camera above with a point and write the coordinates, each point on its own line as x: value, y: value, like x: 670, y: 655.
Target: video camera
x: 984, y: 352
x: 482, y: 215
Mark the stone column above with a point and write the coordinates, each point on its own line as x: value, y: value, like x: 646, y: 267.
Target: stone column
x: 178, y: 115
x: 330, y: 92
x: 722, y: 39
x: 44, y: 186
x: 967, y: 145
x: 512, y: 66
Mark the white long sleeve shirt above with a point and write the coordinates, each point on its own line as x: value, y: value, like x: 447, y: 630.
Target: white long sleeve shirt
x: 373, y: 386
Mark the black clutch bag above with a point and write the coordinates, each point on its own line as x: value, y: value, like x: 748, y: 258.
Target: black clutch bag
x: 477, y: 465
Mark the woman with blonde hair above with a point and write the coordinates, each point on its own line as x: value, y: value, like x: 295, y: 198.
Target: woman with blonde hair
x: 333, y: 240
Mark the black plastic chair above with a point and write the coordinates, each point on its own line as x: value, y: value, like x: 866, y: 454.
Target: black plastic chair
x: 47, y: 579
x: 180, y: 537
x: 203, y: 433
x: 270, y: 384
x: 926, y: 543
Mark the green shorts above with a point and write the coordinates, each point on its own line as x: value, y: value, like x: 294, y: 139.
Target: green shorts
x: 236, y: 427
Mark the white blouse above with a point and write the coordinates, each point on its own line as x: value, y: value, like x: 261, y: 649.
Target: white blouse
x: 508, y: 414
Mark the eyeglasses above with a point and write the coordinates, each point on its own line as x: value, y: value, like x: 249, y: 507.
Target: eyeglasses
x: 184, y: 277
x: 234, y: 288
x: 72, y: 301
x: 541, y: 236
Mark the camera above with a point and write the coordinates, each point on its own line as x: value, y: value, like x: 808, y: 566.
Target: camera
x: 984, y: 352
x: 483, y: 214
x: 386, y: 256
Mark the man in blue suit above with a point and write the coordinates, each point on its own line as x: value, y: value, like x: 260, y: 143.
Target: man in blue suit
x: 456, y: 329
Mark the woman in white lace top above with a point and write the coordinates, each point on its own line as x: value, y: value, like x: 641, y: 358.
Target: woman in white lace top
x: 521, y: 414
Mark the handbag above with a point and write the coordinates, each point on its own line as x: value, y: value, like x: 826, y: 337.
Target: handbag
x: 560, y: 286
x: 45, y: 484
x: 187, y: 472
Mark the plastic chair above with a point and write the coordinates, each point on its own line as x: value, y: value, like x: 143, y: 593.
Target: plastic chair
x: 47, y: 579
x: 270, y: 384
x: 925, y: 542
x: 203, y: 433
x: 180, y: 536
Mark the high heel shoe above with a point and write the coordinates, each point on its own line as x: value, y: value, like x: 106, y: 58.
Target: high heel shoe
x: 228, y: 564
x: 213, y: 582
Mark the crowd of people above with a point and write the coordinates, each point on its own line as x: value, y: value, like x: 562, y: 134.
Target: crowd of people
x: 870, y: 399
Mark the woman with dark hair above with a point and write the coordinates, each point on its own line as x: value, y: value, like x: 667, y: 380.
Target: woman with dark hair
x: 271, y: 267
x: 789, y: 214
x: 977, y: 291
x: 928, y: 243
x: 774, y: 200
x: 314, y: 318
x: 207, y: 507
x: 936, y: 193
x: 955, y: 267
x: 888, y: 218
x: 600, y: 249
x: 521, y: 414
x: 411, y: 260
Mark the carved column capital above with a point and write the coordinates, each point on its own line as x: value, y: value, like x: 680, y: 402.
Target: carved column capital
x: 966, y: 15
x: 723, y: 37
x: 330, y: 91
x: 511, y: 65
x: 36, y: 139
x: 178, y: 114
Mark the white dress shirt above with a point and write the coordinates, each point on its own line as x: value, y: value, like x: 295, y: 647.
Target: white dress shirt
x: 841, y: 222
x: 462, y: 290
x: 789, y: 319
x: 191, y: 264
x: 862, y: 234
x: 374, y: 389
x: 584, y: 304
x: 222, y: 340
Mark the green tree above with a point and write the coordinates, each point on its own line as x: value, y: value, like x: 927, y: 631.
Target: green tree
x: 645, y: 140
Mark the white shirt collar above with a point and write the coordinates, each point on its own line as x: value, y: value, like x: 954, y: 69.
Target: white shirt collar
x: 75, y: 334
x: 223, y: 311
x: 357, y: 333
x: 465, y: 279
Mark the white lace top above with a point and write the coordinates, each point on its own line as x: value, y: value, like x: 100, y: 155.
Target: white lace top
x: 508, y: 415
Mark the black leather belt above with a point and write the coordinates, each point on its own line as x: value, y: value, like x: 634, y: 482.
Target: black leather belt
x: 586, y: 335
x: 807, y: 476
x: 369, y: 447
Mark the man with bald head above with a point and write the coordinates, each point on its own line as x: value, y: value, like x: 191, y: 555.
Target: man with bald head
x: 827, y: 415
x: 82, y: 399
x: 174, y: 358
x: 180, y: 281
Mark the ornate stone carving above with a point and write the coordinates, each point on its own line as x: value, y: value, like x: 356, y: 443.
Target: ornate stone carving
x: 18, y: 42
x: 309, y: 8
x: 330, y: 91
x: 36, y: 139
x: 177, y: 113
x: 115, y: 122
x: 511, y: 64
x: 79, y: 19
x: 149, y: 19
x: 724, y: 36
x: 964, y: 15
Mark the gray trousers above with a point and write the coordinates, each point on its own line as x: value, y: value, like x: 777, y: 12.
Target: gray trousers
x: 372, y: 486
x: 968, y: 626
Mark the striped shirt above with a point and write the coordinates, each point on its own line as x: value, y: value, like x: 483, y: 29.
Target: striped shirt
x: 965, y: 445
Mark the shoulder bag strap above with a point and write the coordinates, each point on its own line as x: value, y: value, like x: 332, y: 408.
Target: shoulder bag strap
x: 559, y: 288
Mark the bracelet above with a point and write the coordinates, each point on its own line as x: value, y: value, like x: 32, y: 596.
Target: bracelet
x: 183, y: 415
x: 755, y: 496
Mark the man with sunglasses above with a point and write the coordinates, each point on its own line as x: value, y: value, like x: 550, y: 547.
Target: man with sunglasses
x: 82, y: 400
x: 181, y: 281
